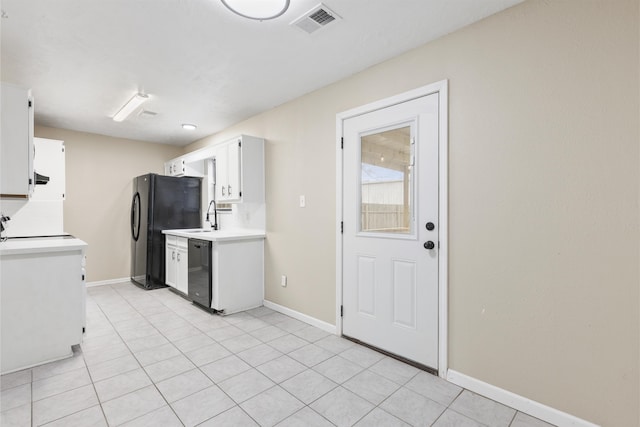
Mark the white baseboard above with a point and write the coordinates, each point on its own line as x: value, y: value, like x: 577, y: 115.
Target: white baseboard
x: 327, y: 327
x: 108, y: 282
x: 521, y: 403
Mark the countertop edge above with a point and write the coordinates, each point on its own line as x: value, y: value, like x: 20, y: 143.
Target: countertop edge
x: 218, y: 236
x: 25, y: 247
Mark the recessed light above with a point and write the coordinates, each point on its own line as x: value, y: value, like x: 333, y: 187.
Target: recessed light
x: 189, y: 126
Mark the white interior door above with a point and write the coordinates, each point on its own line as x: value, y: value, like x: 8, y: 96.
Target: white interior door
x: 390, y: 230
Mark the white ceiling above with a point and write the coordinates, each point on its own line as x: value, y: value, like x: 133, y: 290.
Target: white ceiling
x: 199, y: 62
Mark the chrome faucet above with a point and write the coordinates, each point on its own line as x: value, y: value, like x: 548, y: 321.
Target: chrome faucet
x: 215, y: 214
x: 3, y: 219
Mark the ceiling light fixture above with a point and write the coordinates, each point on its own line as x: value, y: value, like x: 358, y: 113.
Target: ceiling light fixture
x: 259, y: 10
x: 189, y: 126
x: 132, y: 105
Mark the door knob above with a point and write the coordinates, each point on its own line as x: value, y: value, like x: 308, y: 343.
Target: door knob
x: 430, y: 226
x: 429, y: 244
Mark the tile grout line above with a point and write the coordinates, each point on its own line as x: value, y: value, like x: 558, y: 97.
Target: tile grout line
x: 142, y: 367
x: 199, y: 325
x: 252, y: 367
x: 196, y: 367
x: 118, y: 333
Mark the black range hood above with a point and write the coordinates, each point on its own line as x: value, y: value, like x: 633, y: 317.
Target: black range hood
x: 40, y: 179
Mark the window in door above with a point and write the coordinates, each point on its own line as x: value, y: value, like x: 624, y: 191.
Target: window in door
x: 386, y: 181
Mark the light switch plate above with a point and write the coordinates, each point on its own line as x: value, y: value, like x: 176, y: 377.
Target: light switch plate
x: 303, y: 202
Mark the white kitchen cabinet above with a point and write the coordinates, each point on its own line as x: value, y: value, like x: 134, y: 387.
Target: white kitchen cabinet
x: 237, y: 266
x: 175, y: 167
x: 240, y: 170
x: 42, y: 309
x: 181, y: 166
x: 176, y: 263
x: 238, y: 275
x: 17, y: 149
x: 42, y: 213
x: 182, y: 271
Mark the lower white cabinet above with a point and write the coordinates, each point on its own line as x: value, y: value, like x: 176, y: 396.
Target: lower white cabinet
x: 42, y: 309
x: 176, y: 263
x: 237, y: 266
x: 238, y: 275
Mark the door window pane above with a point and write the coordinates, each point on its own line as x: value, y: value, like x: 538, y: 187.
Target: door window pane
x: 386, y: 181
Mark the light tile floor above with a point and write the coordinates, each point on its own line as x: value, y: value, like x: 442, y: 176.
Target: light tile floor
x: 150, y: 358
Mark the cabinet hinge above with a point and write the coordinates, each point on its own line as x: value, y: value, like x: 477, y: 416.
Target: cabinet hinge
x: 341, y: 311
x: 342, y: 143
x: 30, y: 103
x: 30, y: 181
x: 84, y: 330
x: 83, y: 277
x: 239, y: 143
x: 342, y: 227
x: 240, y: 193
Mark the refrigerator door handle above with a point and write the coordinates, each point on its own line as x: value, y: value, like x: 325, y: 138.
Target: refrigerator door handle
x: 135, y: 222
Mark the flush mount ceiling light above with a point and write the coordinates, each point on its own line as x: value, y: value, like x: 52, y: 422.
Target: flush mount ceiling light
x: 189, y: 126
x: 259, y: 10
x: 132, y: 105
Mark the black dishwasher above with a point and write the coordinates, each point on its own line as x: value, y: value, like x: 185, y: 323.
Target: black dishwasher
x: 199, y: 282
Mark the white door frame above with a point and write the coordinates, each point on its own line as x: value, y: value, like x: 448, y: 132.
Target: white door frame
x: 440, y: 88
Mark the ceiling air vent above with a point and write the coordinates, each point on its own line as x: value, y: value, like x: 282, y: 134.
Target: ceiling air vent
x: 146, y: 114
x: 315, y: 19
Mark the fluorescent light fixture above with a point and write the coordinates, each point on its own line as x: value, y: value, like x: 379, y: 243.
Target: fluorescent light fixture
x: 189, y: 126
x: 132, y: 105
x: 260, y: 10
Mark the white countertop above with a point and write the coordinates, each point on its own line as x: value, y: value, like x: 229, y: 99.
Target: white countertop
x: 40, y: 245
x: 217, y: 235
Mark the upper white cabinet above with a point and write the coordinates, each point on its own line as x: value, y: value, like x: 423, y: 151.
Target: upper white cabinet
x: 181, y: 166
x: 17, y: 149
x: 228, y: 176
x: 240, y: 170
x: 175, y: 167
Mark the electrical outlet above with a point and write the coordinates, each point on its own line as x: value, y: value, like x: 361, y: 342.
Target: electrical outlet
x: 283, y: 281
x: 303, y: 202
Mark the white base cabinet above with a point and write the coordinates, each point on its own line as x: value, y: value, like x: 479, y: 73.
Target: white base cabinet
x: 238, y: 275
x: 237, y: 266
x: 176, y: 263
x: 42, y: 310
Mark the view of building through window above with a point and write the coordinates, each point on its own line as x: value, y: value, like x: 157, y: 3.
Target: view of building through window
x: 386, y: 181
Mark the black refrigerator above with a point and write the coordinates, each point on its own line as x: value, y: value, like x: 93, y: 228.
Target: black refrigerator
x: 160, y: 203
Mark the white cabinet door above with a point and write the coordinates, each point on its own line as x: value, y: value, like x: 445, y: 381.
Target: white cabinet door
x: 176, y: 263
x: 234, y: 183
x: 182, y: 270
x: 228, y: 172
x: 49, y: 160
x: 170, y: 263
x: 16, y: 150
x: 221, y: 172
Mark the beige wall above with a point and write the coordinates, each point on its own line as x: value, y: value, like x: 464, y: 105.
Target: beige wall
x: 99, y: 173
x: 544, y: 188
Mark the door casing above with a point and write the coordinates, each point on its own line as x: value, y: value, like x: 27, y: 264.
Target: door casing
x: 441, y: 88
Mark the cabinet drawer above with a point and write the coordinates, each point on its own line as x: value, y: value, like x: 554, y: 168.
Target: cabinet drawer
x: 182, y: 242
x: 171, y: 240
